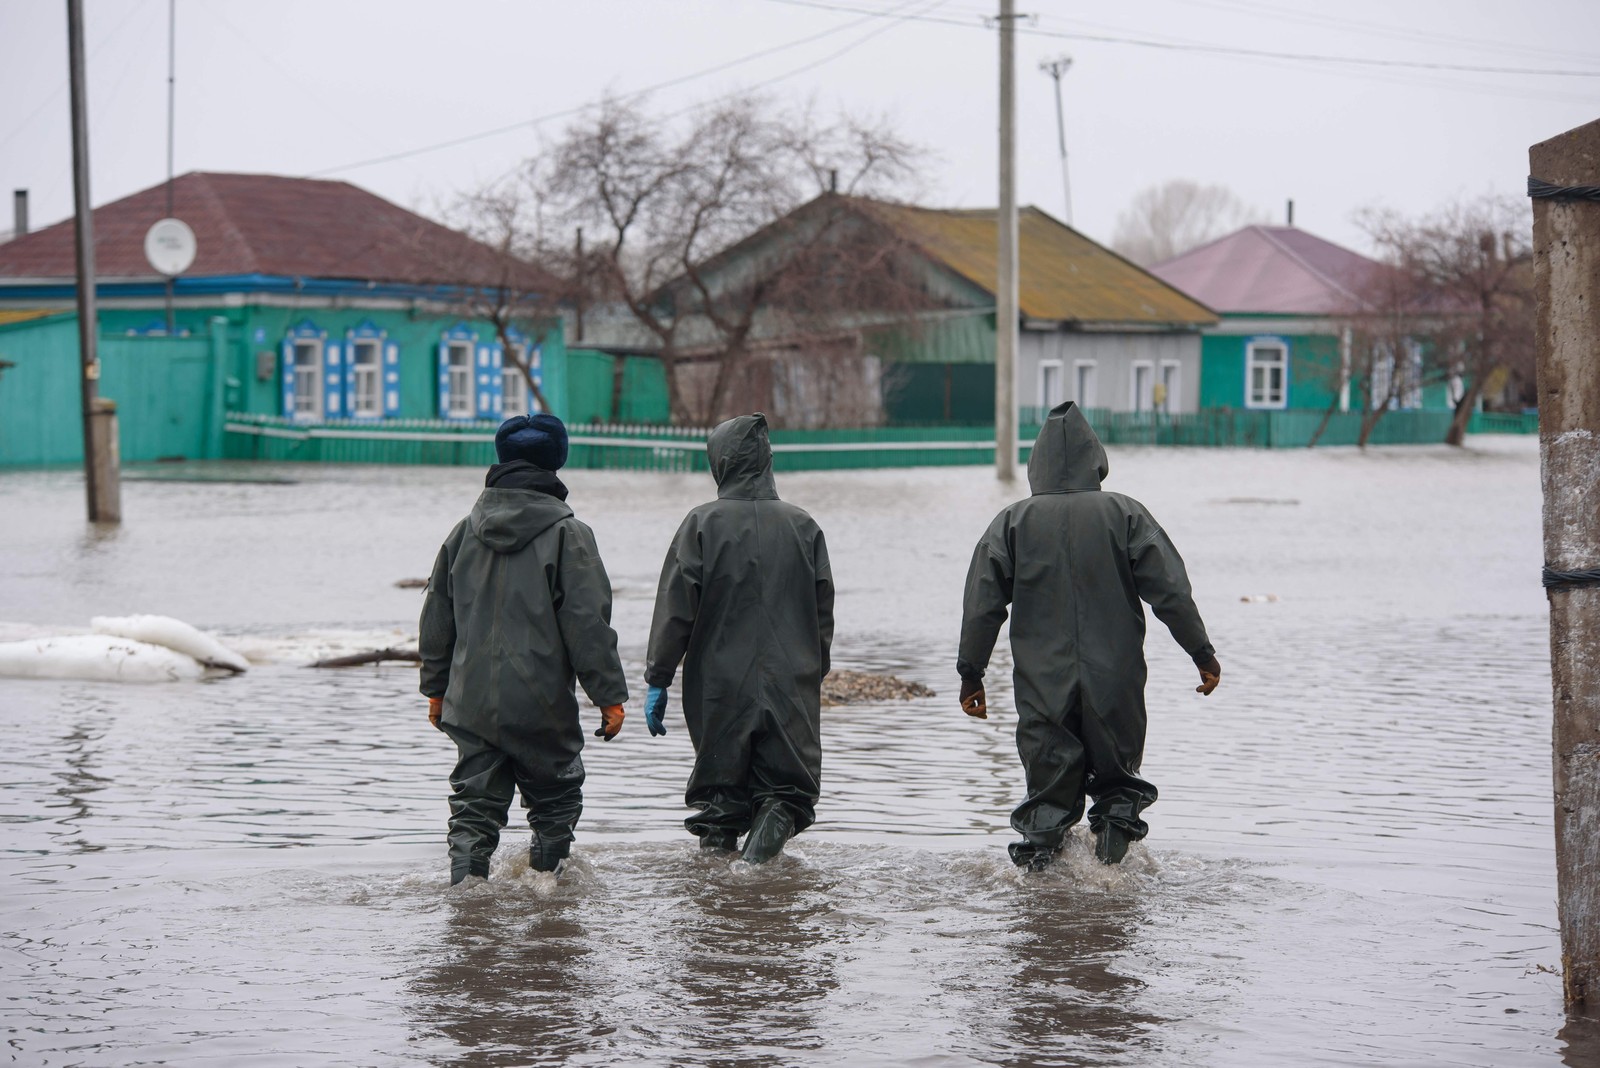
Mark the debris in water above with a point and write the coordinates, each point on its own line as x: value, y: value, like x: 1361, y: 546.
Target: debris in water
x: 856, y: 687
x: 1260, y: 598
x: 375, y: 656
x: 412, y: 584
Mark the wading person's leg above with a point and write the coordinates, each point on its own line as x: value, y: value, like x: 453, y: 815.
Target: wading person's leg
x: 1115, y: 746
x: 482, y: 785
x: 785, y: 782
x: 1054, y: 762
x: 553, y: 811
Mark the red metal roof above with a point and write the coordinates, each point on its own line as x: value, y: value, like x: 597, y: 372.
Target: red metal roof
x: 270, y: 225
x: 1271, y: 270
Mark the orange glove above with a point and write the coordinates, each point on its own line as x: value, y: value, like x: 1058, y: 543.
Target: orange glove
x: 611, y: 718
x: 1210, y: 675
x: 973, y: 701
x: 435, y: 710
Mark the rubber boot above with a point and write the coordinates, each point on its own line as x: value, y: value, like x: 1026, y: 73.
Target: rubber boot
x: 773, y: 826
x: 547, y: 854
x: 1110, y: 844
x: 459, y: 870
x: 727, y: 841
x: 1032, y: 856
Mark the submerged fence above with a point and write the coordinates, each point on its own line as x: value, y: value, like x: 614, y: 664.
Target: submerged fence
x: 667, y: 448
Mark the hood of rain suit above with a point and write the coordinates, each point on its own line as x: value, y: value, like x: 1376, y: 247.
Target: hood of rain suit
x: 745, y: 603
x: 1067, y: 456
x: 1071, y: 565
x: 518, y: 609
x: 740, y: 455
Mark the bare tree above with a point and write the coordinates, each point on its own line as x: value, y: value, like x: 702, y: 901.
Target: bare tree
x: 501, y: 281
x: 1166, y: 220
x: 1469, y: 268
x: 667, y: 214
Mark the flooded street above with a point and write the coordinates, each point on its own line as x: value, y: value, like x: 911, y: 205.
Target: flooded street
x: 1351, y: 861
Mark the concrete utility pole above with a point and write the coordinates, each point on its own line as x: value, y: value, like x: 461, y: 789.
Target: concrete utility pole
x: 1056, y: 68
x: 1566, y: 269
x: 172, y: 113
x: 100, y: 462
x: 1005, y: 348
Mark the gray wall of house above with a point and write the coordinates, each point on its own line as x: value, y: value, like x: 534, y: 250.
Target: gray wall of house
x: 1112, y: 360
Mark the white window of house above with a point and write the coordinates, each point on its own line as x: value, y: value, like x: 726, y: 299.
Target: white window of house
x: 308, y: 379
x: 1266, y: 375
x: 1083, y: 382
x: 1382, y: 377
x: 461, y: 391
x: 1052, y: 386
x: 366, y: 367
x: 513, y: 386
x: 1143, y: 395
x: 1171, y: 386
x: 1411, y: 387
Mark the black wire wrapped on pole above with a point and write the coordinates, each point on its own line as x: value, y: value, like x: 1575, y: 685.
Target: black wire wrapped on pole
x: 1570, y: 580
x: 1543, y: 190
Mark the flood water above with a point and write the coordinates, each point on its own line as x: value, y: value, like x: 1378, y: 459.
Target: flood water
x: 1351, y: 861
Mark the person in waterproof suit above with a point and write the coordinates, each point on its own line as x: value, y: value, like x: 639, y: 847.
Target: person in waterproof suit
x: 518, y: 605
x: 1073, y: 561
x: 746, y: 603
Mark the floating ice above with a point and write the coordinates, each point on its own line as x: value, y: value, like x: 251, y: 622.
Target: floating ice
x: 174, y: 634
x: 100, y: 657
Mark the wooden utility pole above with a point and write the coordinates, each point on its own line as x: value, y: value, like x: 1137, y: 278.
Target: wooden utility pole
x: 100, y: 462
x: 1005, y: 318
x: 1565, y: 184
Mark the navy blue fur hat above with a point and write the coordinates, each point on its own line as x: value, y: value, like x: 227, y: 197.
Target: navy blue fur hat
x: 539, y: 439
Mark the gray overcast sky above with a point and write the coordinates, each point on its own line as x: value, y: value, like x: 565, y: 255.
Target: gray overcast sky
x: 308, y: 87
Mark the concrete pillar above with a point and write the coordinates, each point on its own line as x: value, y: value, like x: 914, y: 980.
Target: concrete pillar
x: 1566, y: 264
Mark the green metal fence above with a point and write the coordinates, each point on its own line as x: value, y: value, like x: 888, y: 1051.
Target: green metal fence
x: 645, y: 447
x: 1504, y: 423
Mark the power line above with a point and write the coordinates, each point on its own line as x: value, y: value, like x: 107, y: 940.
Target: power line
x: 889, y: 13
x: 1222, y: 50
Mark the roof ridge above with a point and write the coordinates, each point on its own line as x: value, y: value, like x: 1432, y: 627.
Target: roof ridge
x: 1300, y: 260
x: 222, y: 209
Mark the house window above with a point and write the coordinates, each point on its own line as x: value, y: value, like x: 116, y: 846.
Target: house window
x: 1084, y: 383
x: 366, y: 365
x: 513, y: 386
x: 461, y: 392
x: 1266, y: 375
x: 308, y: 379
x: 1169, y: 389
x: 1052, y: 387
x: 1143, y: 398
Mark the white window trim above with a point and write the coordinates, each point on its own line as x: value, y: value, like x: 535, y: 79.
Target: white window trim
x: 1175, y: 391
x: 510, y: 372
x: 1044, y: 398
x: 1133, y: 385
x: 1250, y: 350
x: 376, y: 375
x: 317, y: 390
x: 463, y: 402
x: 1077, y: 379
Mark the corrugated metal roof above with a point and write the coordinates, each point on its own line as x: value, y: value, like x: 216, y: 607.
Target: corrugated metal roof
x: 1063, y: 274
x: 269, y: 224
x: 1274, y: 270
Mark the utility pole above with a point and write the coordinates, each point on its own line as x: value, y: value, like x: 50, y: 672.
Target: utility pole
x: 1005, y: 348
x: 1056, y: 68
x: 100, y: 462
x: 1565, y: 184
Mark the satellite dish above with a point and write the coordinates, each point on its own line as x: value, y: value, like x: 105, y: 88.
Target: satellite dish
x: 169, y: 246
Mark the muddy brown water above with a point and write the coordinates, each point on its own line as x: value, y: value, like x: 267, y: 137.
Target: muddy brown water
x: 1351, y: 861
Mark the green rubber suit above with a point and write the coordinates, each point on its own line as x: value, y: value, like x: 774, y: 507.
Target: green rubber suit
x: 518, y: 607
x: 1073, y: 562
x: 746, y: 604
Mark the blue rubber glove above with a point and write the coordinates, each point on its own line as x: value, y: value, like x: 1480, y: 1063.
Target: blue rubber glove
x: 655, y: 706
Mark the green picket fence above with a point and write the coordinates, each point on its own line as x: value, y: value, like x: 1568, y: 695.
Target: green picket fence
x: 1504, y: 423
x: 649, y: 447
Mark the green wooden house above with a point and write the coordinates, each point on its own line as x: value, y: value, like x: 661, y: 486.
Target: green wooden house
x: 309, y: 302
x: 1280, y: 345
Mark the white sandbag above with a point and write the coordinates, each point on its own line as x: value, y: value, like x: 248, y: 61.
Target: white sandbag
x: 99, y: 657
x: 174, y: 634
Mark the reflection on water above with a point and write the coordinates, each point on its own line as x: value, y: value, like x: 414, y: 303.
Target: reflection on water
x: 1350, y: 863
